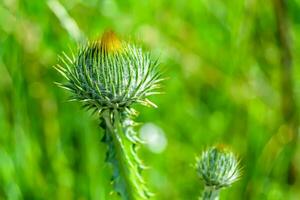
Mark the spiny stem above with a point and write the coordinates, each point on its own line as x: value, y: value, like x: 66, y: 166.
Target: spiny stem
x: 122, y: 156
x: 210, y: 193
x: 112, y: 130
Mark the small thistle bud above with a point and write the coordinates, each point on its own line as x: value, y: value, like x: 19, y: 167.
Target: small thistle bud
x: 217, y: 167
x: 111, y: 74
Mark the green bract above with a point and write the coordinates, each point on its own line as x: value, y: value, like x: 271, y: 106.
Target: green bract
x: 110, y: 74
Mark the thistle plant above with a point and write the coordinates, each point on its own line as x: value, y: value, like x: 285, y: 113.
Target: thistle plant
x: 217, y: 168
x: 108, y: 76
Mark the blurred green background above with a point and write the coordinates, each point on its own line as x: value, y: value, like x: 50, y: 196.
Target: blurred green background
x: 231, y: 79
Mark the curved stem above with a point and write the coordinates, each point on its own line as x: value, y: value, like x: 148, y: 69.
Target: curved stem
x: 289, y: 107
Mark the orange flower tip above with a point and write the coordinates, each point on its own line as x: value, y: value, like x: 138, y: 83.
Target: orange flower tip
x: 222, y: 147
x: 110, y: 43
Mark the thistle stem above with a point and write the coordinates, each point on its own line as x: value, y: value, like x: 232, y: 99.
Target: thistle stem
x: 210, y: 193
x: 112, y: 131
x: 122, y: 156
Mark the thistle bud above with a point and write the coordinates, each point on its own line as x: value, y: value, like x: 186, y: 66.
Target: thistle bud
x: 110, y: 74
x: 218, y: 167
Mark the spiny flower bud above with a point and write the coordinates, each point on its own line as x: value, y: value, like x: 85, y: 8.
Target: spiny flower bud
x: 110, y: 74
x: 218, y: 167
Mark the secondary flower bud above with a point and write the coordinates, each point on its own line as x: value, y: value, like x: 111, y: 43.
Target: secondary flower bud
x: 218, y: 167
